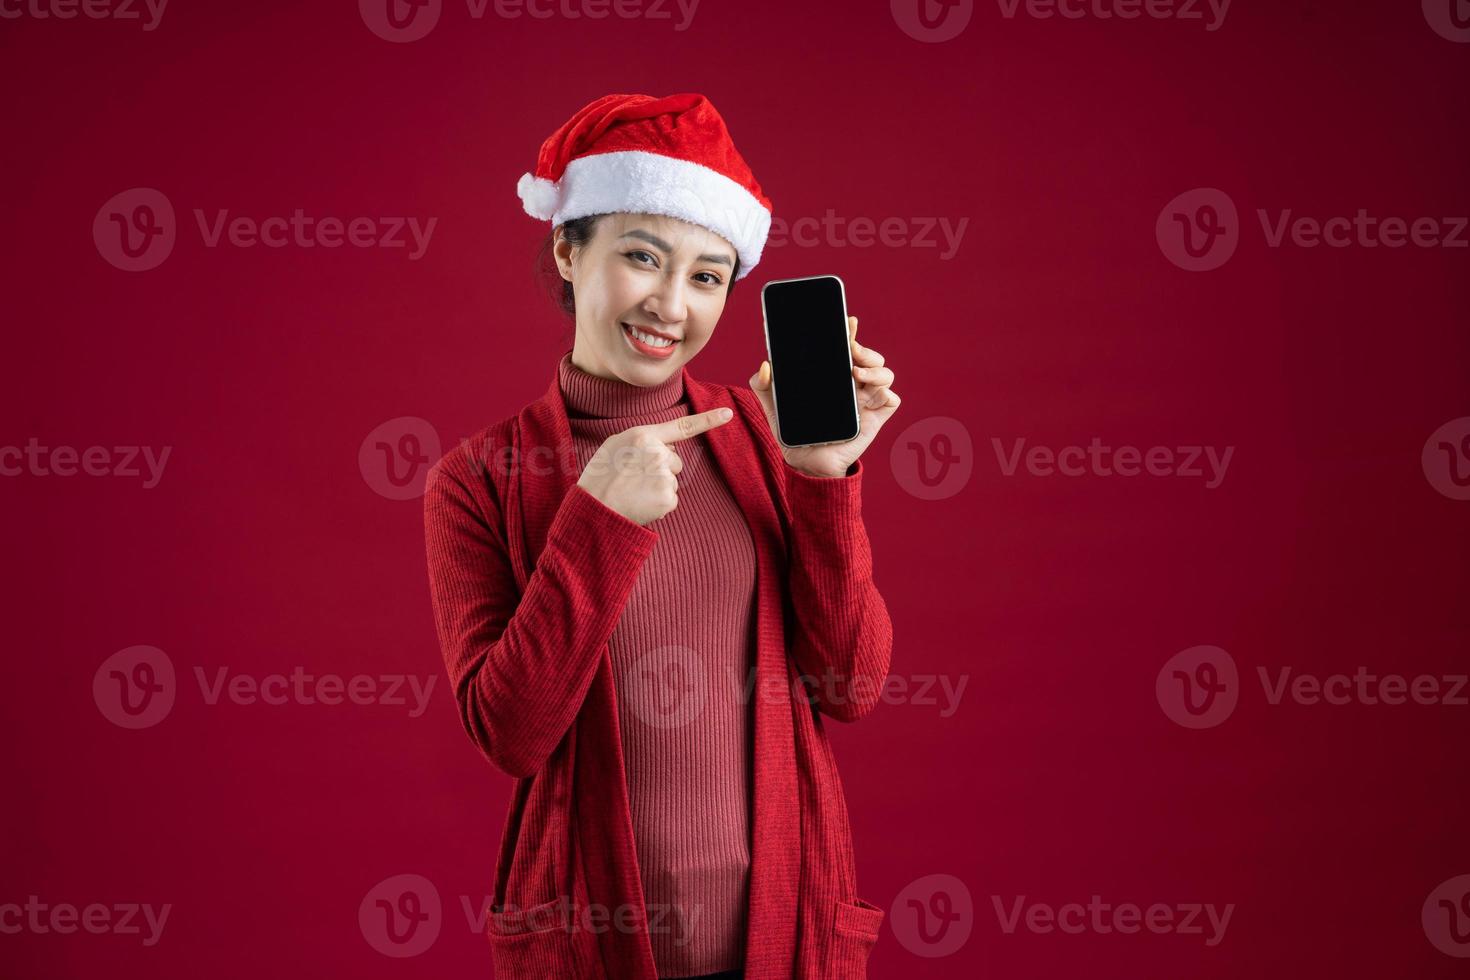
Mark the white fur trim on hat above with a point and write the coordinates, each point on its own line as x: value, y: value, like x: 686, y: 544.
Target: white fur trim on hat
x: 639, y: 182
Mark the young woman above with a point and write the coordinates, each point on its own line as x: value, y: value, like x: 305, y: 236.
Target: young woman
x: 646, y: 604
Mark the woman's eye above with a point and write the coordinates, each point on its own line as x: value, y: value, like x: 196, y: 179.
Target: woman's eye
x: 713, y: 279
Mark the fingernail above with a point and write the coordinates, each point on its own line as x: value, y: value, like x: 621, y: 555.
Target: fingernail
x: 723, y: 413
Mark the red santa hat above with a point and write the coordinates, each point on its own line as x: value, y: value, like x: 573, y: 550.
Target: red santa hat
x: 644, y: 155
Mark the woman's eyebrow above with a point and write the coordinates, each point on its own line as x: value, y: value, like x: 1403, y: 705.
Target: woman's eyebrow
x: 668, y: 249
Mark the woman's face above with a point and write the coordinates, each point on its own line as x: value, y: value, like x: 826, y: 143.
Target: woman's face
x: 662, y: 276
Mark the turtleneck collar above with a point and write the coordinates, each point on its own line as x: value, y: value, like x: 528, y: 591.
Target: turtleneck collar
x: 588, y: 396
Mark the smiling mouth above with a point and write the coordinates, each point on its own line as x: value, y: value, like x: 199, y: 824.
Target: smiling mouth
x: 647, y: 339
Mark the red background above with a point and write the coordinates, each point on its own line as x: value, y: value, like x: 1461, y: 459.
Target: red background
x: 263, y: 548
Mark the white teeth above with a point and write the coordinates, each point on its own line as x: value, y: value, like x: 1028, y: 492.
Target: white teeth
x: 649, y: 338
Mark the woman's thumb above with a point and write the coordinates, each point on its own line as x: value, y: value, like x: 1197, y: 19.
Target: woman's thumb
x: 760, y: 383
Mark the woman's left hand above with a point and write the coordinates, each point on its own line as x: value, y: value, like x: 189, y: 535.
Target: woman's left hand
x: 877, y: 401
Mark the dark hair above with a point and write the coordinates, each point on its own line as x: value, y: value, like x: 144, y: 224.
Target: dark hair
x: 579, y: 232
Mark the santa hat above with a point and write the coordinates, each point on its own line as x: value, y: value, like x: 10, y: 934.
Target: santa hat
x: 644, y: 155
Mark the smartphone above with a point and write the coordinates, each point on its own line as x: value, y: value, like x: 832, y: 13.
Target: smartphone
x: 810, y: 352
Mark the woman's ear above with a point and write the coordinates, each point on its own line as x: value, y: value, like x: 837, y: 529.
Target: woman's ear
x: 562, y: 249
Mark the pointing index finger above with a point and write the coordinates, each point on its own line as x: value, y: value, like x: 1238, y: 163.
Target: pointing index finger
x: 689, y: 426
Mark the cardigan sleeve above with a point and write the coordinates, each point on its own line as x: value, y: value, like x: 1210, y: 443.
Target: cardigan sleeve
x: 842, y: 636
x: 521, y: 666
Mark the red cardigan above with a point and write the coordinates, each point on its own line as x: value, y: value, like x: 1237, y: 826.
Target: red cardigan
x: 529, y: 573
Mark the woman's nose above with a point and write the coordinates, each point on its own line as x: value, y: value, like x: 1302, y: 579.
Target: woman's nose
x: 667, y: 302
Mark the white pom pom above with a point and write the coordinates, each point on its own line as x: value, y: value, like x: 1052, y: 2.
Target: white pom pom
x: 538, y: 196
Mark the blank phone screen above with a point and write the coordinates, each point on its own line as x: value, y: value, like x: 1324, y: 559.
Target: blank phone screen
x: 811, y: 369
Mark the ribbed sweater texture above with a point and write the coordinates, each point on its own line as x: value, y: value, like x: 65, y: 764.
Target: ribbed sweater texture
x: 681, y: 655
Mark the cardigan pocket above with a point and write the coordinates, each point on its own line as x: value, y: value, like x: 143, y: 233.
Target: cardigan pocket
x: 532, y: 943
x: 854, y: 932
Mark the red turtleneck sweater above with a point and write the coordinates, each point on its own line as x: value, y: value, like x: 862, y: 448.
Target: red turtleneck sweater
x: 681, y: 657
